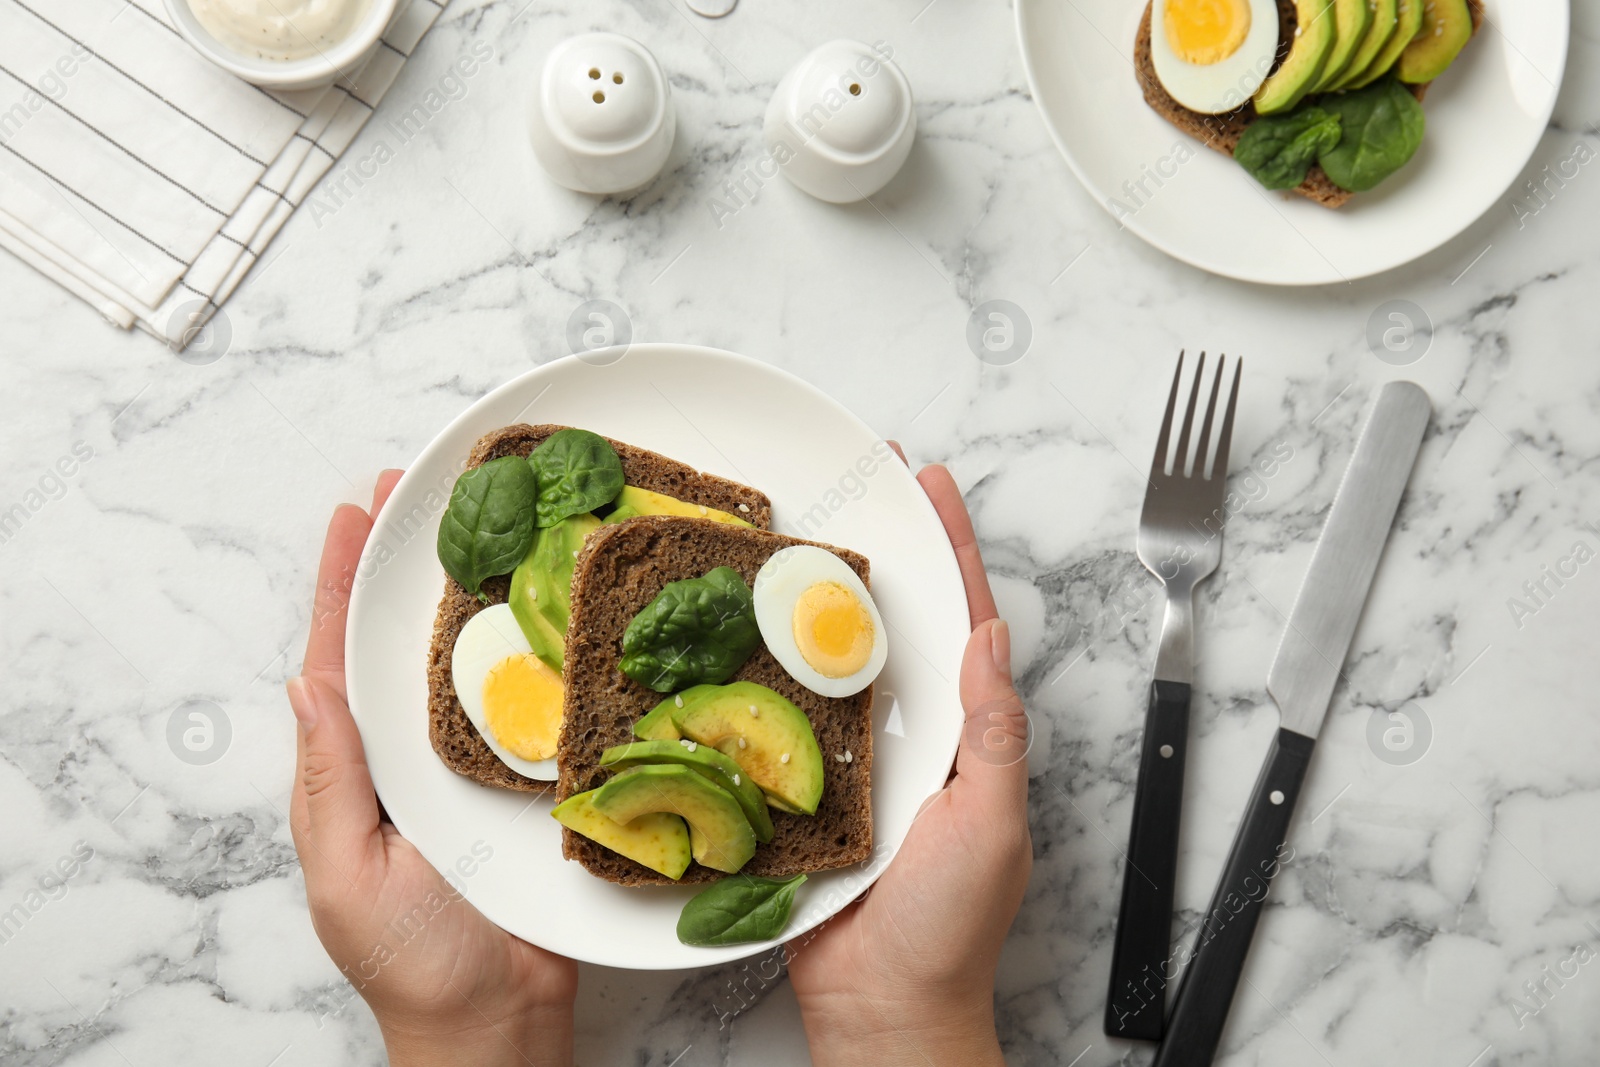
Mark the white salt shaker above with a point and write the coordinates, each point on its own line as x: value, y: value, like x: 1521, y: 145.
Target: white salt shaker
x: 842, y: 122
x: 601, y: 119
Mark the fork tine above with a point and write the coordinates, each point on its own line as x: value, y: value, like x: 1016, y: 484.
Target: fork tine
x: 1159, y: 464
x: 1188, y: 420
x: 1220, y: 467
x: 1202, y: 445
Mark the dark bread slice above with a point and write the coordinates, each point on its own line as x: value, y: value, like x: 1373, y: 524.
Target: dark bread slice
x: 620, y: 570
x: 1222, y: 132
x: 454, y: 737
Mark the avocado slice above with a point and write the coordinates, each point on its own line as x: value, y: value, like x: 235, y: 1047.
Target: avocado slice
x: 707, y: 761
x: 1385, y: 17
x: 1313, y: 40
x: 1408, y: 22
x: 1351, y: 18
x: 720, y: 837
x: 636, y: 501
x: 657, y: 725
x: 762, y: 732
x: 658, y: 840
x: 1446, y: 28
x: 541, y: 586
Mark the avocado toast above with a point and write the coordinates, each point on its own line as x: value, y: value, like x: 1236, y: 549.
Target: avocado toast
x: 454, y: 737
x: 622, y: 569
x: 1358, y: 65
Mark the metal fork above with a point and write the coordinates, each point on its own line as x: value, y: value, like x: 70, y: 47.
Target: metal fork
x: 1180, y: 542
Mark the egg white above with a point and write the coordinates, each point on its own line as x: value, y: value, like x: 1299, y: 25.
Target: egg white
x: 778, y: 585
x: 1227, y: 84
x: 489, y: 637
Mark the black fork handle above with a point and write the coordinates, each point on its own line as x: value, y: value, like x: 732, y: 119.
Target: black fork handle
x: 1141, y: 960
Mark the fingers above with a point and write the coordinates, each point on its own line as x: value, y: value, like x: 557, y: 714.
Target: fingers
x: 347, y: 533
x: 941, y: 489
x: 994, y: 741
x: 381, y: 491
x: 334, y: 811
x: 898, y: 451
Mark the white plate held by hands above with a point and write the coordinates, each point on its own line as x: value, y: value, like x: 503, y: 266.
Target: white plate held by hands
x: 1485, y: 116
x: 724, y: 414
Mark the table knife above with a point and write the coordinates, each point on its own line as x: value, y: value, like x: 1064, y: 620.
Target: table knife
x: 1301, y: 682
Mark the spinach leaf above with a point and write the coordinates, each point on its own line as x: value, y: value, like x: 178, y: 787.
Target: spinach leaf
x: 488, y: 526
x: 578, y: 471
x: 1277, y: 150
x: 1381, y: 129
x: 696, y: 630
x: 737, y: 910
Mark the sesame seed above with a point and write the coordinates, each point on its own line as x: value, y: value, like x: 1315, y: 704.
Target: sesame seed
x: 741, y: 742
x: 847, y: 756
x: 533, y: 593
x: 838, y: 757
x: 755, y: 712
x: 685, y: 742
x: 784, y: 758
x: 745, y: 508
x: 736, y: 779
x: 574, y: 553
x: 703, y: 510
x: 678, y: 700
x: 690, y: 745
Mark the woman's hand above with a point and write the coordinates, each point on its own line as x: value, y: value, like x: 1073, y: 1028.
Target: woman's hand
x: 907, y: 975
x: 446, y: 985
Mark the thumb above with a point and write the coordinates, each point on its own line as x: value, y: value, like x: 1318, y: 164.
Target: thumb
x: 995, y: 739
x: 334, y: 814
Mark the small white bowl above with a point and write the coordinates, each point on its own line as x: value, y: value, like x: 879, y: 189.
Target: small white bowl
x: 601, y: 118
x: 313, y: 72
x: 841, y: 122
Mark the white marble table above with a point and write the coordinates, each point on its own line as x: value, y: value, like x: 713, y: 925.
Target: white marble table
x: 173, y: 562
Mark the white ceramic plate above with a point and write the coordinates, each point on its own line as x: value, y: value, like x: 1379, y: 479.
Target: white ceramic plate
x: 727, y: 415
x: 1484, y: 117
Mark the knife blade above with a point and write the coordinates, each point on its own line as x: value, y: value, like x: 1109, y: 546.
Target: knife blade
x: 1301, y: 681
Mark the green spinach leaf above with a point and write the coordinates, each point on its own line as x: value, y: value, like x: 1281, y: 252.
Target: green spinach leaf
x: 1277, y: 150
x: 696, y: 630
x: 1381, y: 127
x: 738, y: 910
x: 578, y: 471
x: 488, y: 525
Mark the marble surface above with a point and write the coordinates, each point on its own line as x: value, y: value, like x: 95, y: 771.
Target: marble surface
x: 172, y: 512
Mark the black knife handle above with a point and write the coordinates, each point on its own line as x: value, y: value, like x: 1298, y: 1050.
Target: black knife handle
x: 1141, y: 957
x: 1194, y: 1029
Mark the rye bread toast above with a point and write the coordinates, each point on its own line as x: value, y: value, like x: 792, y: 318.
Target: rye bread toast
x: 1222, y: 132
x: 620, y: 570
x: 454, y: 737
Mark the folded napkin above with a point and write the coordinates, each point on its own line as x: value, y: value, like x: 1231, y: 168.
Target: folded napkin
x: 146, y: 180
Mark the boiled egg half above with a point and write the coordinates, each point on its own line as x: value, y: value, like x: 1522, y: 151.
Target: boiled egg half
x: 510, y: 694
x: 1212, y: 55
x: 819, y: 621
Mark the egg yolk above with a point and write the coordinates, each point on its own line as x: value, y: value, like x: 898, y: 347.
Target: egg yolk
x: 522, y: 706
x: 1203, y: 32
x: 833, y: 630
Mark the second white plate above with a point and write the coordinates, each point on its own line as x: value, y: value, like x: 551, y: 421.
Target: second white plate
x: 1484, y: 118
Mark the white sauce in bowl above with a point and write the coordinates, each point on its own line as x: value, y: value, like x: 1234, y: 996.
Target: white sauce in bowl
x: 283, y: 30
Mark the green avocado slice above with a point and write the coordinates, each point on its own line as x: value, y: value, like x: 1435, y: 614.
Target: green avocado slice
x: 720, y: 837
x: 764, y: 733
x: 707, y: 761
x: 1313, y: 40
x: 1446, y: 28
x: 1351, y: 19
x: 658, y: 840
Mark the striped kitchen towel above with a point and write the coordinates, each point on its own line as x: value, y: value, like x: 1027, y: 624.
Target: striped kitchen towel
x: 143, y: 178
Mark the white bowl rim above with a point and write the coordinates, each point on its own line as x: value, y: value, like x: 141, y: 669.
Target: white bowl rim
x: 324, y: 67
